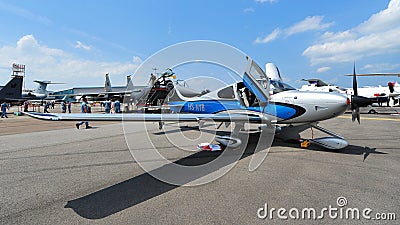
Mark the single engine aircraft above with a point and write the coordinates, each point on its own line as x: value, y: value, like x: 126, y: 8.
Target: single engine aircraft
x: 256, y: 98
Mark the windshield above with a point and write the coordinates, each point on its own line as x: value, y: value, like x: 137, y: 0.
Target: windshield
x: 279, y: 86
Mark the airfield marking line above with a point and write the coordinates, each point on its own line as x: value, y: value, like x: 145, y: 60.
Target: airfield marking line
x: 371, y: 118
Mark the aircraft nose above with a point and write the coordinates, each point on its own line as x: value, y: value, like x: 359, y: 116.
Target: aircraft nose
x: 338, y: 103
x: 330, y: 104
x: 335, y: 98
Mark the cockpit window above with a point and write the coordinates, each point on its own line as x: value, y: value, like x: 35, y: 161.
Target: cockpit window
x: 226, y: 93
x: 279, y: 86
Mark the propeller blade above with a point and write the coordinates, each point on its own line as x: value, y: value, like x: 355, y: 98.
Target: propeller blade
x: 355, y: 81
x: 356, y: 101
x: 355, y: 114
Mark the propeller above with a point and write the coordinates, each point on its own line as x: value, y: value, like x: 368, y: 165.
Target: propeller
x: 358, y: 101
x: 355, y: 109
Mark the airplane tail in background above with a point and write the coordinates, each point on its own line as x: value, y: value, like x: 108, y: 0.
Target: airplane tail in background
x: 12, y: 90
x: 129, y: 83
x: 107, y: 84
x: 42, y: 87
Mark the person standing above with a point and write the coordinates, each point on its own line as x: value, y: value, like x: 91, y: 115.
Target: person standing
x: 112, y: 111
x: 85, y: 109
x: 46, y: 107
x: 107, y: 106
x: 26, y: 104
x: 69, y: 107
x: 63, y: 107
x: 4, y: 107
x: 117, y: 106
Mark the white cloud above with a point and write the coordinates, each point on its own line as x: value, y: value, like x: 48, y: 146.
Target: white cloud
x: 137, y: 60
x: 323, y: 69
x: 381, y: 67
x: 54, y: 64
x: 308, y: 24
x: 264, y: 1
x: 270, y: 37
x: 380, y: 34
x: 82, y: 46
x: 248, y: 10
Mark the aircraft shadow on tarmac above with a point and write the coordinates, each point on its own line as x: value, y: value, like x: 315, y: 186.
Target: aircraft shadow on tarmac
x: 136, y: 190
x: 141, y: 188
x: 351, y: 149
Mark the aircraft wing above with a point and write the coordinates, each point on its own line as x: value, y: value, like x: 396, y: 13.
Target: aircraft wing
x: 394, y: 94
x: 233, y: 117
x: 94, y: 95
x: 375, y: 74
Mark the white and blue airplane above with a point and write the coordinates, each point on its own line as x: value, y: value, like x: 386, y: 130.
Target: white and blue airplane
x: 258, y: 97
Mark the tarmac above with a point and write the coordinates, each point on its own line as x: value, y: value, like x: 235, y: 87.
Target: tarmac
x: 52, y: 173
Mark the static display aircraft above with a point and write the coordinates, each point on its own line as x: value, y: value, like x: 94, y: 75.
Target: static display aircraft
x: 40, y: 93
x: 108, y: 93
x: 254, y: 99
x: 376, y: 94
x: 12, y: 91
x: 320, y: 86
x: 391, y: 92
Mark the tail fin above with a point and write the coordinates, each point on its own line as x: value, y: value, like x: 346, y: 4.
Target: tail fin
x: 129, y: 83
x: 107, y: 84
x: 13, y: 89
x: 42, y: 87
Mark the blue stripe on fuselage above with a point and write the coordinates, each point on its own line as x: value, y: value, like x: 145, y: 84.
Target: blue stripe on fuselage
x: 282, y: 111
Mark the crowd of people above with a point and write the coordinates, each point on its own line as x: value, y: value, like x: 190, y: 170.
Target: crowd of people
x: 110, y: 106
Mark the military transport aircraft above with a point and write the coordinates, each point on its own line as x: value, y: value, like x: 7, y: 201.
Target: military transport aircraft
x: 254, y: 99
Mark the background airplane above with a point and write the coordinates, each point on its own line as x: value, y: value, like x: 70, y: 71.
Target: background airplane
x: 12, y: 91
x: 375, y: 94
x: 315, y: 84
x: 39, y: 93
x: 108, y: 93
x: 391, y: 92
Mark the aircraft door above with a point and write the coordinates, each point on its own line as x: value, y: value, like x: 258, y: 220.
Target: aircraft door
x: 257, y: 82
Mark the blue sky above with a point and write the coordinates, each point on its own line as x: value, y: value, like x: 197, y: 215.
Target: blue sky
x: 77, y: 42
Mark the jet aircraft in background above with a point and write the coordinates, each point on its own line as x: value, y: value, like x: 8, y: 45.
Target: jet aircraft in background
x: 12, y: 91
x: 107, y: 92
x: 40, y: 93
